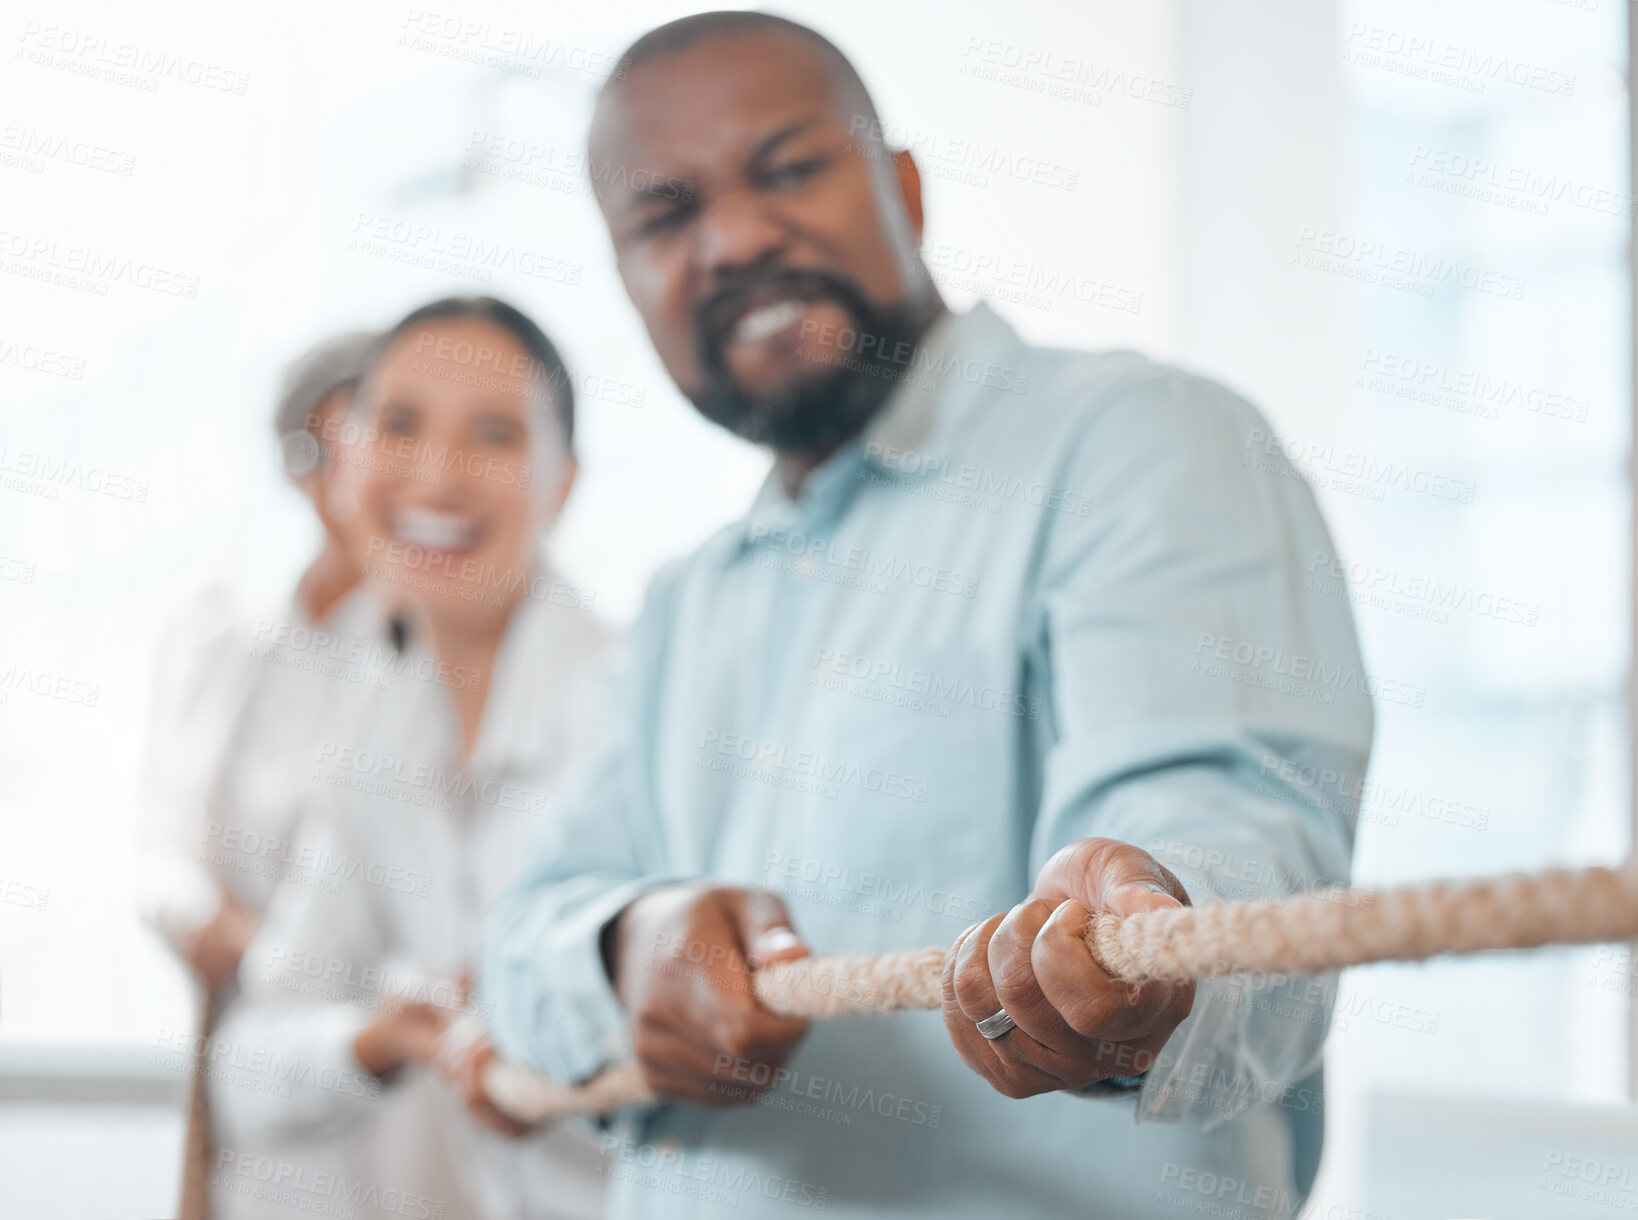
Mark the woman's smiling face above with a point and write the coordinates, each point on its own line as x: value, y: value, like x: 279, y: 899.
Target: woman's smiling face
x: 462, y: 472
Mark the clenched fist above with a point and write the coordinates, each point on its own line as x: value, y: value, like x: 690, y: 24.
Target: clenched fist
x: 680, y: 959
x: 1075, y: 1025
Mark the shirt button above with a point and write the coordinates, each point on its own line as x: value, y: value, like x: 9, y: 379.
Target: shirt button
x: 611, y: 1043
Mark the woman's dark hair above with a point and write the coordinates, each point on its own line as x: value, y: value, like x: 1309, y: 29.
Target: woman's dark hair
x: 547, y: 365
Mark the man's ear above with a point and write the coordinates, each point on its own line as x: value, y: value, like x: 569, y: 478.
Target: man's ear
x: 909, y: 180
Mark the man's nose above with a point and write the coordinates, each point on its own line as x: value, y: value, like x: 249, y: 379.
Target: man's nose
x: 738, y: 230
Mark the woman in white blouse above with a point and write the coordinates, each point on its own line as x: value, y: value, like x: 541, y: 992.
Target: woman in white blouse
x: 241, y: 698
x: 239, y: 693
x: 351, y: 986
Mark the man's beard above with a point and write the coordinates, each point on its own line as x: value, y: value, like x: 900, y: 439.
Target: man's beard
x: 816, y: 413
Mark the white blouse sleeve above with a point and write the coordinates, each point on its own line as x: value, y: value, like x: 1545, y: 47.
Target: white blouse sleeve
x: 283, y: 1064
x: 200, y: 681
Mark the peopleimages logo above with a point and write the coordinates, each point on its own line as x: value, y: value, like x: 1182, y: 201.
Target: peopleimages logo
x: 1073, y: 77
x: 466, y: 570
x: 17, y: 570
x: 1004, y: 278
x: 1224, y: 1188
x: 455, y: 785
x: 1416, y: 271
x: 1299, y: 669
x: 365, y: 659
x: 516, y: 50
x: 933, y: 151
x: 842, y: 1094
x: 36, y: 359
x: 125, y: 63
x: 708, y: 1179
x: 40, y: 473
x: 1369, y: 798
x: 318, y: 1192
x: 867, y: 562
x: 460, y: 253
x: 35, y: 148
x: 528, y: 159
x: 311, y: 860
x: 1590, y: 1179
x: 18, y: 894
x: 1467, y: 391
x: 1358, y: 1006
x: 942, y: 691
x: 915, y: 360
x: 781, y: 872
x: 743, y: 757
x: 1516, y: 186
x: 1249, y: 875
x: 28, y: 680
x: 993, y: 485
x: 220, y: 1056
x: 1347, y: 471
x: 1448, y: 63
x: 1372, y: 583
x: 89, y: 270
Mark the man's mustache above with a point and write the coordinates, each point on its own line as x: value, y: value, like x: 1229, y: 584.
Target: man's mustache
x: 716, y: 314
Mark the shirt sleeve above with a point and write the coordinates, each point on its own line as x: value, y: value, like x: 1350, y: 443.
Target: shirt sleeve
x: 554, y: 1007
x: 282, y: 1062
x: 1205, y: 704
x: 194, y: 680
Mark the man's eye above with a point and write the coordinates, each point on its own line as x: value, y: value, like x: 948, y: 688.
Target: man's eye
x: 793, y: 173
x: 661, y: 222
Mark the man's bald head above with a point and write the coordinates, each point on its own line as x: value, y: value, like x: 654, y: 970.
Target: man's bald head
x: 768, y: 238
x: 690, y: 31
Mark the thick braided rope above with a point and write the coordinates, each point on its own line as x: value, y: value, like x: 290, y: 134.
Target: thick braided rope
x: 1326, y: 930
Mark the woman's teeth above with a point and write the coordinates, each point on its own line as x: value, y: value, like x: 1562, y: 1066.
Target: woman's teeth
x: 767, y: 320
x: 435, y: 531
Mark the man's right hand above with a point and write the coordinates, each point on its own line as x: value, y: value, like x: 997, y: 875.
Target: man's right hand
x: 680, y: 959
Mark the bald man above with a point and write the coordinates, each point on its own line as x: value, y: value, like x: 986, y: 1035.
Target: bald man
x: 1010, y: 635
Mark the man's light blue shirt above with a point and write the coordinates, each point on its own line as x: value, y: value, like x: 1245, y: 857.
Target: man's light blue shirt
x: 1047, y: 595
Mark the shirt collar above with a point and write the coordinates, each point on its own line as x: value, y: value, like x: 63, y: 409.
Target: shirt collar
x: 959, y: 359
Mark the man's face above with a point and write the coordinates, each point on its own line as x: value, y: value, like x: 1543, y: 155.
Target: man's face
x: 767, y: 241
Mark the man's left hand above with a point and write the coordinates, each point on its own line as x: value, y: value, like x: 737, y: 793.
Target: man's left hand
x: 1075, y: 1024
